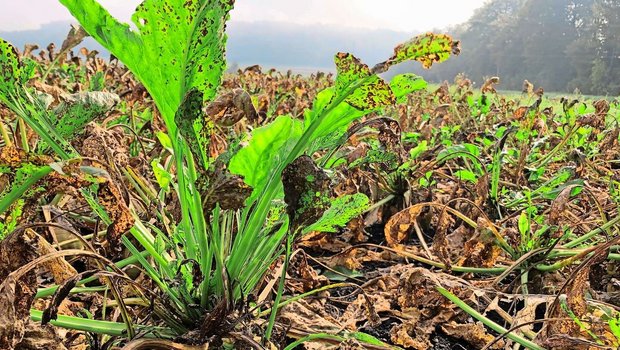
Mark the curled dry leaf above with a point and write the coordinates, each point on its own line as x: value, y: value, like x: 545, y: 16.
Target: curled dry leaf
x: 51, y: 312
x: 423, y: 309
x: 565, y: 332
x: 73, y: 39
x: 489, y: 85
x: 16, y: 297
x: 231, y: 107
x: 528, y: 88
x: 223, y: 188
x: 303, y: 277
x: 602, y: 107
x: 399, y: 226
x: 122, y: 220
x: 481, y: 249
x: 473, y: 333
x: 558, y: 206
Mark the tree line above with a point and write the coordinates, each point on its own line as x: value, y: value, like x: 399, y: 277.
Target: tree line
x: 559, y: 45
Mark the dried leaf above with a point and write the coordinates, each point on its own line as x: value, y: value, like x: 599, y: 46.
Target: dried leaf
x: 481, y: 250
x: 60, y: 269
x: 16, y: 296
x: 225, y: 189
x: 473, y: 333
x: 399, y: 226
x: 528, y: 88
x: 122, y: 220
x: 73, y: 39
x: 231, y: 107
x: 51, y: 312
x: 489, y: 85
x: 559, y: 205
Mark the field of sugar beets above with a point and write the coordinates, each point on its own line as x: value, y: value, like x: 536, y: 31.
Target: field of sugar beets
x: 151, y: 200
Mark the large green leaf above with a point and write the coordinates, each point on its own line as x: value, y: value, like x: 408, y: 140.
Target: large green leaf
x: 362, y: 91
x: 268, y: 149
x: 338, y: 118
x: 178, y: 45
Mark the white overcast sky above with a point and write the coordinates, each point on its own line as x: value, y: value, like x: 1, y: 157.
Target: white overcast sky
x: 400, y: 15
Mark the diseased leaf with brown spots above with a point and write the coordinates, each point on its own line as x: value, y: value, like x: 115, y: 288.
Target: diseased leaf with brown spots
x: 427, y: 49
x: 399, y: 226
x: 306, y: 191
x: 193, y: 126
x: 10, y: 70
x: 371, y: 94
x: 178, y: 45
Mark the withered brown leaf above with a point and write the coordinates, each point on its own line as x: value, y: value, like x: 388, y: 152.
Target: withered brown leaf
x: 306, y: 191
x: 399, y: 226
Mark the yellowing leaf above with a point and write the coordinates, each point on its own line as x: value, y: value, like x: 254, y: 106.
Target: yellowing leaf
x: 372, y: 92
x: 426, y: 48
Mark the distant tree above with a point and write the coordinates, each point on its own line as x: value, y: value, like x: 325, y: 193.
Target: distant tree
x: 547, y: 30
x: 605, y: 31
x: 561, y: 45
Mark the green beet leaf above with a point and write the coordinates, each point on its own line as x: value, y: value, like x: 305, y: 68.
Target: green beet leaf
x: 267, y: 150
x: 178, y: 45
x: 404, y: 84
x: 10, y: 69
x: 340, y: 212
x: 191, y: 122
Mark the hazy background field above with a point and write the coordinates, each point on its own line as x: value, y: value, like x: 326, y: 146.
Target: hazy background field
x: 561, y: 45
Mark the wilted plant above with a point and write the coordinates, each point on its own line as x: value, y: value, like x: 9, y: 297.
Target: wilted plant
x: 215, y: 256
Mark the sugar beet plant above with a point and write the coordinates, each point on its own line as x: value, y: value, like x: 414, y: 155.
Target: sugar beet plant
x: 216, y: 255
